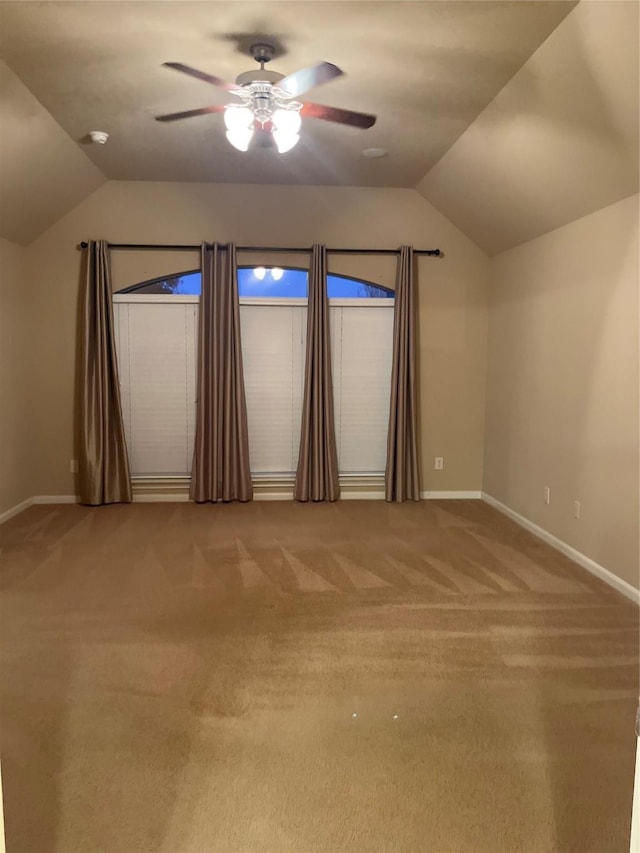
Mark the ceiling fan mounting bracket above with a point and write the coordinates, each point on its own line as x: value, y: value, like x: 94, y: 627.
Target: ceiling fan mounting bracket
x: 262, y: 52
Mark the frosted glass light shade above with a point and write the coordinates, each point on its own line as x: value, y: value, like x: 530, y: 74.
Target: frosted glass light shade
x: 287, y: 121
x: 284, y: 140
x: 240, y: 139
x: 237, y: 117
x: 239, y: 121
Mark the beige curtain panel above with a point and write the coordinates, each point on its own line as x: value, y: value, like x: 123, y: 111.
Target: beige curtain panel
x: 402, y: 478
x: 221, y: 454
x: 317, y: 474
x: 103, y: 463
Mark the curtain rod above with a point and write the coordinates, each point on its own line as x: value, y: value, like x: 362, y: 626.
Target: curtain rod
x: 282, y: 251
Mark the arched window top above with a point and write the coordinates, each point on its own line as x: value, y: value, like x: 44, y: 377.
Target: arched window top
x: 265, y: 282
x: 180, y: 284
x: 343, y: 287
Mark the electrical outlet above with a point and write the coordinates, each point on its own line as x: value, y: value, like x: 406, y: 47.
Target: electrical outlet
x: 439, y: 463
x: 547, y: 495
x: 73, y: 466
x: 576, y: 509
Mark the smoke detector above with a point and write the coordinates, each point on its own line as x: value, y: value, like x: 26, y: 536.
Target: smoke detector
x: 98, y: 136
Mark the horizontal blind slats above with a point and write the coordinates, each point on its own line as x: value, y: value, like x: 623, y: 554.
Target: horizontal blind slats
x: 273, y: 353
x: 157, y: 350
x: 157, y: 376
x: 362, y: 361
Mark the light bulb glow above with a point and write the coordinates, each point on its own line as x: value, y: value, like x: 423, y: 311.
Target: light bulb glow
x: 260, y: 273
x: 240, y: 139
x: 287, y: 121
x: 240, y: 121
x: 276, y: 273
x: 237, y: 117
x: 285, y: 141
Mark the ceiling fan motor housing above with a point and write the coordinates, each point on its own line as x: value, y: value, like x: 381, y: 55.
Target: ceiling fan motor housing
x: 260, y: 75
x: 262, y: 53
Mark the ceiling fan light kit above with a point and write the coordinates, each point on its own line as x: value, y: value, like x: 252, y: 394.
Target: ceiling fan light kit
x: 267, y: 103
x: 266, y: 106
x: 239, y: 123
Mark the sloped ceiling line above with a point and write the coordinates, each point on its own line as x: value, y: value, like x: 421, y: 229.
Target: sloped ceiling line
x: 511, y: 118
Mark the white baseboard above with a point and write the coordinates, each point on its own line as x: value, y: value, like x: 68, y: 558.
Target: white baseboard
x: 38, y: 499
x: 344, y: 496
x: 451, y: 496
x: 183, y: 497
x: 581, y: 559
x: 56, y: 499
x: 635, y: 809
x: 372, y: 496
x: 362, y: 496
x: 258, y: 496
x: 158, y: 497
x: 161, y: 498
x: 15, y: 510
x: 272, y: 496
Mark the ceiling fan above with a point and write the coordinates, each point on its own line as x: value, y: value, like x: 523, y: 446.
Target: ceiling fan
x: 266, y: 107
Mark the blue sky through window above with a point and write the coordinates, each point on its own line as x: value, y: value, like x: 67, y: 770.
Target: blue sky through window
x: 264, y: 282
x: 272, y: 281
x: 188, y: 284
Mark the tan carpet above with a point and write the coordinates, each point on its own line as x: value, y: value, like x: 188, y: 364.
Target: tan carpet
x: 185, y: 679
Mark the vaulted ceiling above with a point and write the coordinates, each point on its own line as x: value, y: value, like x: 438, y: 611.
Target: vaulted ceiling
x: 511, y: 117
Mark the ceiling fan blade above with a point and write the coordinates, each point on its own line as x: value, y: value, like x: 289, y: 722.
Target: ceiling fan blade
x: 307, y: 78
x: 362, y: 120
x: 200, y: 75
x: 202, y: 111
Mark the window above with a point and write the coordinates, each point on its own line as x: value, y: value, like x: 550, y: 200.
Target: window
x: 273, y: 346
x: 272, y: 283
x: 361, y: 351
x: 156, y: 334
x: 263, y: 282
x: 181, y: 284
x: 156, y: 347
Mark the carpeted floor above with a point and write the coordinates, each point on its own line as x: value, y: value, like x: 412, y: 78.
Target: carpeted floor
x: 286, y: 678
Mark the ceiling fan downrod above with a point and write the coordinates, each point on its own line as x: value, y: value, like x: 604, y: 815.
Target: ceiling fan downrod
x: 262, y: 53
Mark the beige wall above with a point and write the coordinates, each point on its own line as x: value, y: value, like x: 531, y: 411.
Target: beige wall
x: 16, y: 482
x: 562, y: 389
x: 43, y: 171
x: 453, y: 320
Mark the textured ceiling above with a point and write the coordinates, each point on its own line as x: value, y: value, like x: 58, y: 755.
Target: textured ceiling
x: 427, y: 69
x: 512, y: 118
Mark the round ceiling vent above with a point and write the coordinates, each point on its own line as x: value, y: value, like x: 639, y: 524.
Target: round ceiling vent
x: 374, y: 153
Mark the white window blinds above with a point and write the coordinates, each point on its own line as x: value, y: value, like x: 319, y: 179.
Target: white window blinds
x: 362, y: 344
x: 156, y: 341
x: 156, y: 347
x: 273, y: 342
